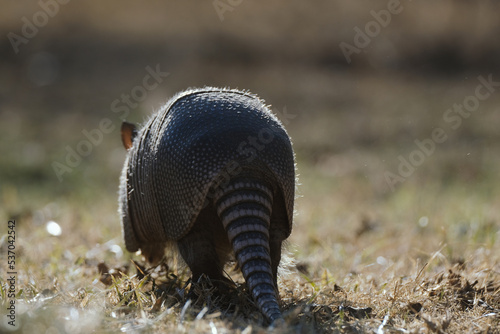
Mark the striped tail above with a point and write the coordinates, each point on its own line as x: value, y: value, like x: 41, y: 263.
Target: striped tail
x: 244, y: 207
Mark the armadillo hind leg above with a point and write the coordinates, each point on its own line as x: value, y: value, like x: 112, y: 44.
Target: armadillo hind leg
x: 153, y: 252
x: 275, y: 249
x: 200, y: 248
x: 244, y: 206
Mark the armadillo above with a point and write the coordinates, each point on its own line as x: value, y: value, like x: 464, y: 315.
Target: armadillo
x: 213, y: 171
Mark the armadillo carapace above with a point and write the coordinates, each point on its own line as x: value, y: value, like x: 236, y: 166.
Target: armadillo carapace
x: 214, y: 171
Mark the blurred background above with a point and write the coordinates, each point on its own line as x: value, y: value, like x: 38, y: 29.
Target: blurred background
x: 355, y: 83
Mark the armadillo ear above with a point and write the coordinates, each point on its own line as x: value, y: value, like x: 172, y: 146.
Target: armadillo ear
x: 128, y: 134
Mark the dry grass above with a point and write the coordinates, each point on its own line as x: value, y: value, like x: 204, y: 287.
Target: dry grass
x: 422, y: 259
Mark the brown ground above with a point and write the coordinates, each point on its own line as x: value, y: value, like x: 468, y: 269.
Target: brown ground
x: 419, y: 257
